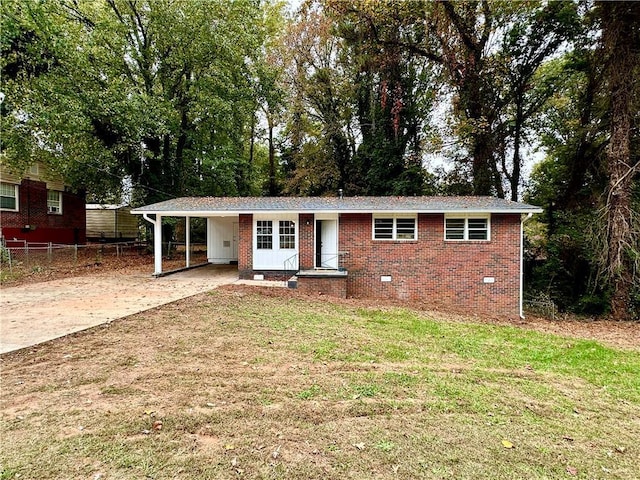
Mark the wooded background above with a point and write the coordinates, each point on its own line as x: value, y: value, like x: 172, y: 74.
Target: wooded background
x: 537, y: 101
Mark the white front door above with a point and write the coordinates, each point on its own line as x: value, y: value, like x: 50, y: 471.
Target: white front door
x: 327, y: 244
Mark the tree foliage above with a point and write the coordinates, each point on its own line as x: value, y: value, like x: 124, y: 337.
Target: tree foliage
x: 159, y: 92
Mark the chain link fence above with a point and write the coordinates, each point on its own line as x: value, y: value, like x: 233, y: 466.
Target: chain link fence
x: 541, y: 304
x: 19, y: 255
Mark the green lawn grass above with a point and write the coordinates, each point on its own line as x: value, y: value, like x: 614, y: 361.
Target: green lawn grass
x: 243, y: 384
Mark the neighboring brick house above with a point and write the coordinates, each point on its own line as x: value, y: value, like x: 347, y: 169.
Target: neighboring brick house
x: 38, y: 207
x: 461, y: 253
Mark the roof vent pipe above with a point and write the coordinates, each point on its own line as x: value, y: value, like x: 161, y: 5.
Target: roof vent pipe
x: 340, y: 194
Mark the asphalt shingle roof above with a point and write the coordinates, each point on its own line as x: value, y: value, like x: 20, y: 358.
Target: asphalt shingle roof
x: 203, y: 206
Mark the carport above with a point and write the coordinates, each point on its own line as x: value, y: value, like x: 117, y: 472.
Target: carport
x: 221, y: 234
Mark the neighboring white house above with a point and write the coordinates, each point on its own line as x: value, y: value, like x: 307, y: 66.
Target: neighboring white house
x: 111, y: 223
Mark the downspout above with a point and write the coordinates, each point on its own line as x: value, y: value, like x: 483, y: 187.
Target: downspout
x: 524, y: 219
x: 157, y: 242
x: 187, y: 238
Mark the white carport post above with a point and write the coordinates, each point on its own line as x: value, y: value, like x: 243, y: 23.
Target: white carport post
x: 157, y: 242
x: 187, y: 239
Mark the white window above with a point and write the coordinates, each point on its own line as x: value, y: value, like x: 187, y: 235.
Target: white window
x: 54, y: 202
x: 287, y: 235
x: 8, y: 196
x: 466, y: 228
x: 394, y: 228
x: 264, y: 234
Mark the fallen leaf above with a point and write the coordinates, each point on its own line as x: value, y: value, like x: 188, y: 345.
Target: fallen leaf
x: 359, y: 446
x: 276, y: 453
x: 507, y: 444
x: 572, y: 470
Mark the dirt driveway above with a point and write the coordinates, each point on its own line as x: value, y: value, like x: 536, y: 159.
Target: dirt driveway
x: 32, y: 314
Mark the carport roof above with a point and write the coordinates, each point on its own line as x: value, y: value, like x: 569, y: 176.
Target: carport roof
x: 211, y: 206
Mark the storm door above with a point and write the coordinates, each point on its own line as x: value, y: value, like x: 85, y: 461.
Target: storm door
x: 327, y: 244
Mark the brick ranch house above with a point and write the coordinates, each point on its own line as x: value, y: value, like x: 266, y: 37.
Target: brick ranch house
x: 461, y: 253
x: 36, y: 206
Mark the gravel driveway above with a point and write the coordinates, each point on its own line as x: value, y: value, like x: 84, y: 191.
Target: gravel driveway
x: 32, y: 314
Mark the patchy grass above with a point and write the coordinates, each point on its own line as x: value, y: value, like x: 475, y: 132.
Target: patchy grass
x: 241, y: 383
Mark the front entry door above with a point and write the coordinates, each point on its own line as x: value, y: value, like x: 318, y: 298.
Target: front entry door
x: 327, y: 244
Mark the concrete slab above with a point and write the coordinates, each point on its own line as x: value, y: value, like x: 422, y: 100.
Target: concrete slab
x: 32, y: 314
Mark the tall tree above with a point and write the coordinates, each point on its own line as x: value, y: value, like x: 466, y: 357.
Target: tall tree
x: 370, y: 103
x: 489, y: 53
x: 621, y: 45
x: 533, y: 34
x: 319, y: 142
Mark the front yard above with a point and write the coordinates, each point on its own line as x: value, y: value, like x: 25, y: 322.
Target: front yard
x: 259, y: 383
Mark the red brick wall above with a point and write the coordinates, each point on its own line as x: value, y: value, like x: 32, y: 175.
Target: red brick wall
x: 245, y: 245
x: 69, y: 228
x: 441, y: 273
x: 306, y: 245
x: 335, y: 287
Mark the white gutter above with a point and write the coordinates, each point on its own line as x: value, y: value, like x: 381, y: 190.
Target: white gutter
x: 529, y: 215
x: 157, y: 241
x: 147, y: 218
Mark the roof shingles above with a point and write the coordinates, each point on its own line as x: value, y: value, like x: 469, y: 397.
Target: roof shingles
x: 211, y: 205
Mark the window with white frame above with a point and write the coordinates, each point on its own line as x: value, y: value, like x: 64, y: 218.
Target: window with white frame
x: 287, y: 234
x: 8, y: 196
x: 264, y: 234
x: 394, y: 228
x: 466, y: 228
x: 54, y: 202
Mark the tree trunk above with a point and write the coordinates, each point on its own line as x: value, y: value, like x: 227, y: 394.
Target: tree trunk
x: 517, y: 160
x: 620, y: 21
x: 273, y: 188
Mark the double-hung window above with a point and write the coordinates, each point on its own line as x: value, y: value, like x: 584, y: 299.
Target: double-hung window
x: 466, y: 228
x: 394, y: 228
x: 54, y: 202
x: 8, y: 196
x: 287, y: 234
x: 264, y: 234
